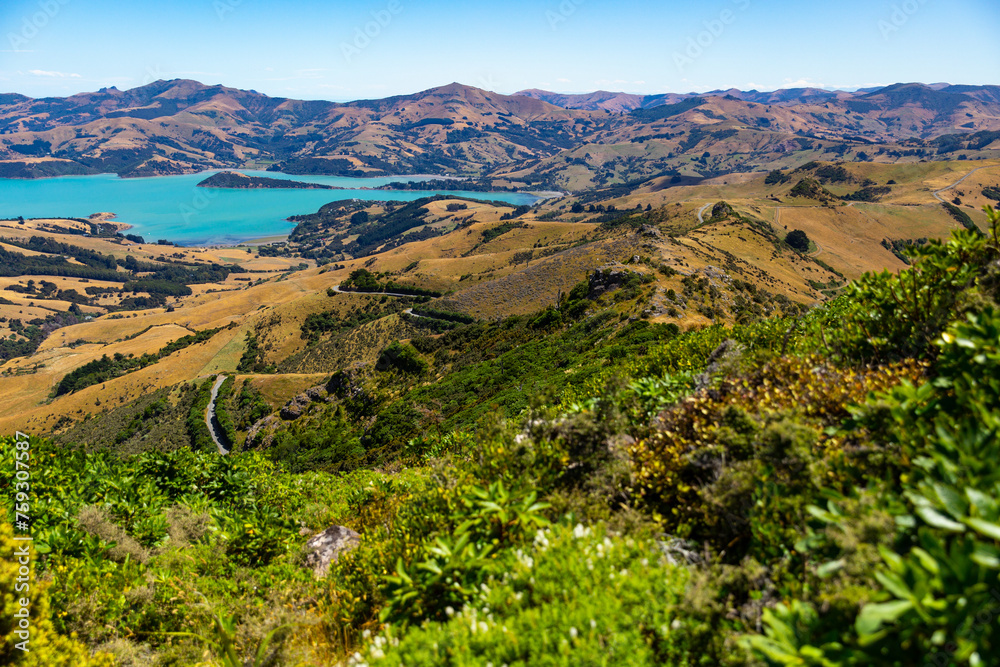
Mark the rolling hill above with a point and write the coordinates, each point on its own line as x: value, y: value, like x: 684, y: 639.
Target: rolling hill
x: 532, y: 139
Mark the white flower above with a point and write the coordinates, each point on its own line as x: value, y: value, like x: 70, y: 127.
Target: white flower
x: 541, y: 541
x: 573, y: 632
x: 593, y: 624
x: 580, y: 532
x: 447, y: 610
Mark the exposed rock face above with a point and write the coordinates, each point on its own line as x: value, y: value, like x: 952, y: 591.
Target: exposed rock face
x: 294, y: 408
x: 261, y: 433
x: 324, y: 548
x: 724, y: 360
x: 606, y: 281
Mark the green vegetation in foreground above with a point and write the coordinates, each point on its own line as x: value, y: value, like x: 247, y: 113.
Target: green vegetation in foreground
x: 819, y: 490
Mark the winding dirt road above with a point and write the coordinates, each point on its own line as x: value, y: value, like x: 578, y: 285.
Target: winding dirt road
x: 210, y: 419
x: 336, y: 288
x: 956, y: 183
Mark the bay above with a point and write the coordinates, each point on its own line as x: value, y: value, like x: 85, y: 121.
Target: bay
x: 173, y: 208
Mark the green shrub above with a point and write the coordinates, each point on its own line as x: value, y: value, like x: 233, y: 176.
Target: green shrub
x: 574, y: 597
x: 403, y: 358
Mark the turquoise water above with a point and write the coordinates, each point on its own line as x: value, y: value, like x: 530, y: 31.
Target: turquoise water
x: 171, y: 207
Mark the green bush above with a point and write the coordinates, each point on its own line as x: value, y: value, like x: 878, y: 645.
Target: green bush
x: 403, y: 358
x: 574, y: 597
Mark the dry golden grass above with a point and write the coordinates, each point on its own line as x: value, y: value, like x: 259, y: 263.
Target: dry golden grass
x: 24, y: 312
x: 27, y: 395
x: 848, y: 239
x: 23, y: 251
x: 279, y: 389
x: 528, y: 288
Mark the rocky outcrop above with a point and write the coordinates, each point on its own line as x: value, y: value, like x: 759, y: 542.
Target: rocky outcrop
x: 294, y: 408
x: 261, y: 433
x: 608, y: 280
x: 723, y: 361
x: 325, y: 548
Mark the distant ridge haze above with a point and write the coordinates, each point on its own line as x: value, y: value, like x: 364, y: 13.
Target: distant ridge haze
x: 623, y: 102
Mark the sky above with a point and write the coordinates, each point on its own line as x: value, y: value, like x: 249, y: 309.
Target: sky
x: 315, y: 49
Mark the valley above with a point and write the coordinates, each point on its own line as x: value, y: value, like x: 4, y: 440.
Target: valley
x: 705, y: 244
x: 470, y: 378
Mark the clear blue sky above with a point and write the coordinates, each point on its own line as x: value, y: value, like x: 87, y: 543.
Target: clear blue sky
x: 313, y: 49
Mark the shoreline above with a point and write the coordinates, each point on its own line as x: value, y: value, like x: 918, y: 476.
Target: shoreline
x: 109, y: 220
x: 219, y: 170
x: 250, y: 242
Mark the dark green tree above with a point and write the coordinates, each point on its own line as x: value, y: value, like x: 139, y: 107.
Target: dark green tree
x: 798, y: 240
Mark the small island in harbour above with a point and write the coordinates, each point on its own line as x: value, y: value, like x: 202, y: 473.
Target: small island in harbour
x: 236, y: 180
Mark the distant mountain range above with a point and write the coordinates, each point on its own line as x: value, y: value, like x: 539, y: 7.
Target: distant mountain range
x: 624, y: 102
x: 532, y: 139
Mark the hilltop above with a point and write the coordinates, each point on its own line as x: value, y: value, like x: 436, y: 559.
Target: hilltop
x: 533, y: 139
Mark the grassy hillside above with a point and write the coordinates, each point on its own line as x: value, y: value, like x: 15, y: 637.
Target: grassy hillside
x: 645, y: 424
x: 575, y: 485
x: 713, y: 252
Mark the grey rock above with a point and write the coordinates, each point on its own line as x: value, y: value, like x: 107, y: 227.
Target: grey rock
x: 325, y: 547
x: 295, y: 407
x: 723, y: 361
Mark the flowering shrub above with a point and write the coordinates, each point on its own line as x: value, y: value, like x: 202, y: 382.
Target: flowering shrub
x: 728, y: 454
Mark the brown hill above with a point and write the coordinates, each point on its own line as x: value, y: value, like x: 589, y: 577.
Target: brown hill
x: 524, y: 140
